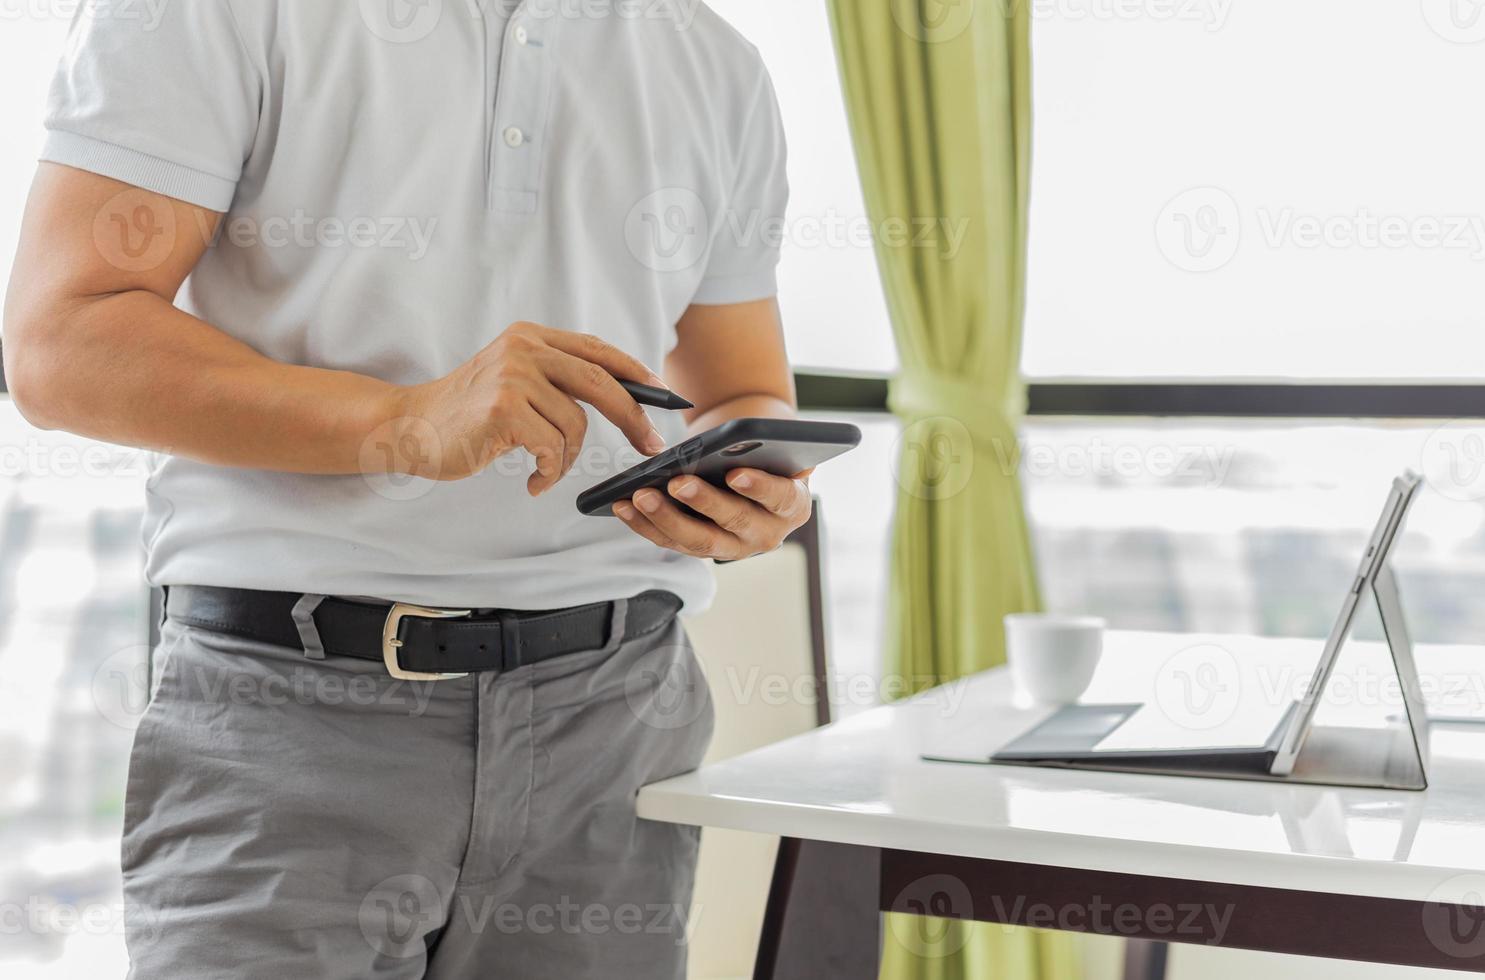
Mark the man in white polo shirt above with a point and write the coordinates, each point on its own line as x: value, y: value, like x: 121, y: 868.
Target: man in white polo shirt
x: 365, y: 275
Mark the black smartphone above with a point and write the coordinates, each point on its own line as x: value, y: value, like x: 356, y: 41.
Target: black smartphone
x: 782, y: 447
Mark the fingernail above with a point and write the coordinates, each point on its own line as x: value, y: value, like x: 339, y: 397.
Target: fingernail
x: 623, y: 511
x: 742, y: 482
x: 686, y: 490
x: 654, y: 443
x: 648, y: 502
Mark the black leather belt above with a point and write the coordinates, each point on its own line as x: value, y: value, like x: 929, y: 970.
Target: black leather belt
x: 418, y: 642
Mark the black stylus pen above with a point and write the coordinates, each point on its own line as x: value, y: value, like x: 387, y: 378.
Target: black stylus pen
x: 655, y: 397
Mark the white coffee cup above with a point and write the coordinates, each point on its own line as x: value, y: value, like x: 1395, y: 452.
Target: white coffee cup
x: 1053, y: 657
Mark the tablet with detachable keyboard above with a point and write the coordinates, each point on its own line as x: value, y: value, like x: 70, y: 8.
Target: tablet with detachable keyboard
x: 1142, y: 738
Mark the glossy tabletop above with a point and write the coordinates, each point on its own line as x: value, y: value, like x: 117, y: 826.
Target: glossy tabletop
x: 863, y: 781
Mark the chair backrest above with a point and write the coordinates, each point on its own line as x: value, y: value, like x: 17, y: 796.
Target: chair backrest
x: 762, y: 646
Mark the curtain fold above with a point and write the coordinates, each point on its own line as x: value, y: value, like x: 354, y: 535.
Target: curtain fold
x: 939, y: 97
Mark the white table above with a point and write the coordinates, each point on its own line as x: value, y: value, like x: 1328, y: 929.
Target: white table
x: 1381, y: 875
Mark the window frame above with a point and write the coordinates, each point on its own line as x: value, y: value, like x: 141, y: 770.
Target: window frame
x: 823, y: 391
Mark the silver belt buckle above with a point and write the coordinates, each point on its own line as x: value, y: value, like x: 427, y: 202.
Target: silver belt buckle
x: 391, y: 644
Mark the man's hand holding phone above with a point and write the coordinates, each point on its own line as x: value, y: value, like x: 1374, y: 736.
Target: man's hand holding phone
x: 727, y: 492
x: 525, y: 391
x: 752, y: 516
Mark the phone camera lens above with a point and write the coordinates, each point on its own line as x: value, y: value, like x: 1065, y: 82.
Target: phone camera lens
x: 742, y: 450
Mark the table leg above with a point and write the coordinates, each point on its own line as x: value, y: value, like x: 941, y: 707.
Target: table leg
x: 823, y: 917
x: 1145, y: 959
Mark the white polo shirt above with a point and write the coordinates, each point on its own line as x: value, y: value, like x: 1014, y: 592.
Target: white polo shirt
x: 403, y: 179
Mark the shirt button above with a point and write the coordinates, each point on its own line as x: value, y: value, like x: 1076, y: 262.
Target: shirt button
x: 514, y: 137
x: 522, y: 35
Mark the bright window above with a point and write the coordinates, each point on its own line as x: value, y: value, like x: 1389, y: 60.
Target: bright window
x: 72, y: 610
x: 1258, y: 188
x: 834, y: 311
x: 31, y: 37
x: 1251, y: 528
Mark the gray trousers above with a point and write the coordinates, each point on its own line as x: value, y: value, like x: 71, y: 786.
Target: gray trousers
x: 290, y: 818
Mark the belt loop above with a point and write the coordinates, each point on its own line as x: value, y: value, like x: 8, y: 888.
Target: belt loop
x: 304, y: 621
x: 510, y: 641
x: 618, y: 621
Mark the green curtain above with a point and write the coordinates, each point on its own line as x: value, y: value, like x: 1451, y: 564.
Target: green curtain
x: 939, y: 97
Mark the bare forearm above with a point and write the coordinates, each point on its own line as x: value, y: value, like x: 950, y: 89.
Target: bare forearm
x: 730, y: 360
x: 94, y: 345
x: 743, y: 406
x: 179, y: 385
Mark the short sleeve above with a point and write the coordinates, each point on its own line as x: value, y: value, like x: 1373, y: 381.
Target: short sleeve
x: 743, y: 264
x: 161, y: 96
